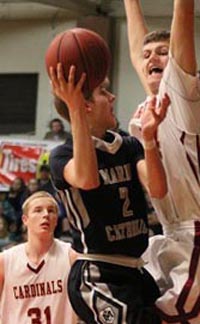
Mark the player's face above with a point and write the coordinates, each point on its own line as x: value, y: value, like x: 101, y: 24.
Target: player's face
x: 42, y: 216
x: 102, y: 112
x: 155, y: 58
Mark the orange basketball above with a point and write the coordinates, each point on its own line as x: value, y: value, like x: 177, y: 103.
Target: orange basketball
x: 83, y: 48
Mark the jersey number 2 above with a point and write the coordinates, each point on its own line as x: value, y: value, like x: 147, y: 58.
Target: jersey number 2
x: 36, y: 315
x: 126, y: 210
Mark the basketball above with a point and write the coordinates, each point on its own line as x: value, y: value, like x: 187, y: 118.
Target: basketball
x: 83, y: 48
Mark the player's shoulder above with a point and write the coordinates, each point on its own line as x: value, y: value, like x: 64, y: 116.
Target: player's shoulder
x: 14, y: 249
x: 63, y: 248
x: 62, y: 149
x: 13, y: 253
x: 62, y: 244
x: 131, y: 141
x: 134, y: 149
x: 57, y: 149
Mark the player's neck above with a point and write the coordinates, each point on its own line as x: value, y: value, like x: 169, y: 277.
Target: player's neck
x: 36, y: 249
x: 97, y: 132
x: 153, y: 89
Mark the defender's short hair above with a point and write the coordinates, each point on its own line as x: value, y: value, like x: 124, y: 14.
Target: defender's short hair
x: 156, y: 36
x: 38, y: 194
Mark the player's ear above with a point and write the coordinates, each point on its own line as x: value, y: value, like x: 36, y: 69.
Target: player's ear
x: 88, y: 106
x: 24, y: 219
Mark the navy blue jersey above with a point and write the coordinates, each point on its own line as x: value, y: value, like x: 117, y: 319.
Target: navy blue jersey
x: 111, y: 219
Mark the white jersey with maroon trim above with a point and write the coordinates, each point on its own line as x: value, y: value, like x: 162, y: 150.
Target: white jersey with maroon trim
x: 36, y: 294
x: 174, y: 259
x: 179, y: 141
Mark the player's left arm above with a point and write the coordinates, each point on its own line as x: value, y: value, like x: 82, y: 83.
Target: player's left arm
x: 136, y: 30
x: 182, y: 43
x: 150, y: 170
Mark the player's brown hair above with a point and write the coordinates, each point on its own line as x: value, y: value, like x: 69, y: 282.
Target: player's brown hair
x: 156, y: 36
x: 62, y: 108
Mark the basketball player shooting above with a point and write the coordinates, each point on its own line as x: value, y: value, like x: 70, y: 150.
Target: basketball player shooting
x: 100, y: 175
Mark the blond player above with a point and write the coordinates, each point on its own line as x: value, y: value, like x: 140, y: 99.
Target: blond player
x: 33, y: 275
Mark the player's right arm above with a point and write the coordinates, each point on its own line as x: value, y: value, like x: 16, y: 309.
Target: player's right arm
x: 151, y: 170
x: 1, y: 273
x: 82, y: 170
x: 137, y: 29
x: 182, y: 43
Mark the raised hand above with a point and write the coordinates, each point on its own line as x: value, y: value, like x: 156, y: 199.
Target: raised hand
x: 68, y: 91
x: 152, y: 116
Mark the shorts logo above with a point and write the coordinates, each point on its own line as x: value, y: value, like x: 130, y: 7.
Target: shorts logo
x: 107, y: 315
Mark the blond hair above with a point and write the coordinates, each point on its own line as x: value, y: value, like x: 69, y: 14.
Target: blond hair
x: 36, y: 195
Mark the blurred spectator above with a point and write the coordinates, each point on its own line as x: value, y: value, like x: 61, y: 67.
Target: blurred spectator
x: 23, y: 234
x: 5, y: 238
x: 16, y: 199
x: 32, y: 187
x: 8, y: 209
x: 57, y: 131
x: 44, y: 179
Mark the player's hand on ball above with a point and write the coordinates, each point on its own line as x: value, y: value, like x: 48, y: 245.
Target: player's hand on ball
x: 67, y: 91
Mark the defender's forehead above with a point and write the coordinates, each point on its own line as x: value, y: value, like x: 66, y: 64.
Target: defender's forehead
x: 155, y: 45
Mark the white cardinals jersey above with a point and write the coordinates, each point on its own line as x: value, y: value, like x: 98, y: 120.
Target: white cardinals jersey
x: 36, y: 294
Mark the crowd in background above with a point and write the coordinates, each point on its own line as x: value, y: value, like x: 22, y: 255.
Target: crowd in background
x: 12, y: 230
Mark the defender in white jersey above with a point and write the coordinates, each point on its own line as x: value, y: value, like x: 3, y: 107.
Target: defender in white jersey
x: 173, y: 259
x: 33, y: 275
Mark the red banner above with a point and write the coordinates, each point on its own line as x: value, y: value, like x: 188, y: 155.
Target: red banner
x: 20, y: 159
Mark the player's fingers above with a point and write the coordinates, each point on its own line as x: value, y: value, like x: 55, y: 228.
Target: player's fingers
x: 165, y: 102
x: 152, y: 102
x: 71, y: 75
x: 151, y: 105
x: 60, y: 74
x: 53, y: 79
x: 157, y: 111
x: 52, y: 74
x: 138, y: 112
x: 81, y: 81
